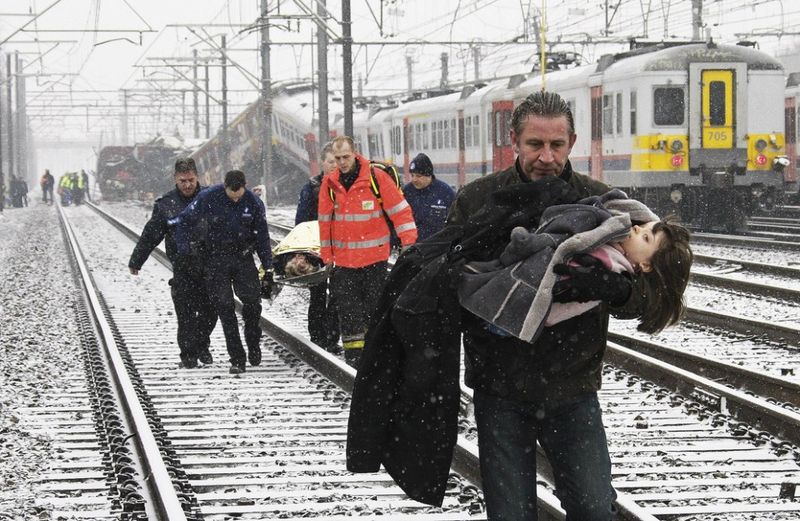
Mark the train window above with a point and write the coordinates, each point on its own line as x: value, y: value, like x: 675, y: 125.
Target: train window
x: 716, y: 92
x: 618, y: 107
x: 425, y: 137
x: 668, y: 106
x: 476, y: 131
x: 608, y: 114
x: 633, y: 112
x: 468, y: 131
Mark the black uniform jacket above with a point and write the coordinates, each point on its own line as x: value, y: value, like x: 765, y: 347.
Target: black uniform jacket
x: 166, y: 207
x: 404, y: 411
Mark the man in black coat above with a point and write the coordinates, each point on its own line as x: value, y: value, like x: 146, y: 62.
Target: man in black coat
x: 406, y: 419
x: 196, y: 315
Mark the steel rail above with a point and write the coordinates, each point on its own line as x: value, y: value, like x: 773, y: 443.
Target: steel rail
x: 745, y: 240
x: 754, y: 267
x: 164, y: 503
x: 753, y: 410
x: 757, y: 382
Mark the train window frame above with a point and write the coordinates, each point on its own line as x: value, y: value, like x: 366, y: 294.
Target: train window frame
x: 632, y: 111
x: 717, y: 93
x: 426, y: 137
x: 618, y: 113
x: 467, y: 131
x: 669, y: 110
x: 608, y: 114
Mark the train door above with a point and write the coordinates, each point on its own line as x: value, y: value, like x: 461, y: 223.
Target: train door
x: 790, y: 114
x: 717, y: 95
x: 502, y: 154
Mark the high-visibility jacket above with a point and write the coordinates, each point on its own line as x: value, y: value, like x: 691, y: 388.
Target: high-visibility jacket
x: 352, y: 230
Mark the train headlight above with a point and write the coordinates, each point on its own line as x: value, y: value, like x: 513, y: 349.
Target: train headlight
x: 761, y: 160
x: 676, y: 195
x: 757, y: 191
x: 677, y: 161
x: 761, y: 145
x: 676, y: 146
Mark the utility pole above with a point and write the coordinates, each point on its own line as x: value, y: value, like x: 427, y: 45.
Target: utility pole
x: 2, y: 171
x: 22, y: 160
x: 443, y: 82
x: 409, y: 64
x: 697, y: 19
x: 347, y: 73
x: 322, y: 75
x: 266, y: 104
x: 226, y: 160
x: 10, y: 118
x: 124, y: 117
x: 194, y: 95
x: 208, y: 105
x: 476, y: 61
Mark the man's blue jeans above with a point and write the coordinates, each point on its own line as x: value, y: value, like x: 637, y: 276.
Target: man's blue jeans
x: 574, y: 440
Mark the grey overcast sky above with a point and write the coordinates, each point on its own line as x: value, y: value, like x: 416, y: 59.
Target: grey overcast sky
x: 92, y: 67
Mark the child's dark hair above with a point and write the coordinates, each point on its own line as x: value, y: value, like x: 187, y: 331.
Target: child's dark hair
x: 663, y: 286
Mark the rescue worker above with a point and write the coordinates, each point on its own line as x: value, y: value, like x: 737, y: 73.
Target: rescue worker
x: 85, y: 185
x: 236, y: 225
x: 47, y: 183
x: 354, y: 237
x: 323, y: 320
x: 196, y: 315
x: 65, y: 189
x: 78, y: 186
x: 430, y: 199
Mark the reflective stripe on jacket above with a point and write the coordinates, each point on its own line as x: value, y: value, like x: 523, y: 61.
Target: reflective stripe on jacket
x: 352, y: 230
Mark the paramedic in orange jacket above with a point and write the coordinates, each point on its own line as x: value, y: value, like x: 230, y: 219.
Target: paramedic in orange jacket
x: 354, y: 237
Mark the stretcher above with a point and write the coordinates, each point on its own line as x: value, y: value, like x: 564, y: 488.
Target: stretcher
x: 304, y: 239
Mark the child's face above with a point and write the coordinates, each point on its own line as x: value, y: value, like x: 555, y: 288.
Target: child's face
x: 641, y: 244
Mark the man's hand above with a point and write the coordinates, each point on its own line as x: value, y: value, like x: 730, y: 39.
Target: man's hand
x: 591, y: 281
x: 267, y: 284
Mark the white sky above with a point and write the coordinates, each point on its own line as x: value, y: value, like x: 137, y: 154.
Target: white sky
x: 110, y: 66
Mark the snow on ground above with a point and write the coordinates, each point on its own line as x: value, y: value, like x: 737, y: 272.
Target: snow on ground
x: 36, y: 285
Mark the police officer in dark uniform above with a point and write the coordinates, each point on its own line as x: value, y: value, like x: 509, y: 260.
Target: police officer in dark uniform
x: 236, y: 225
x: 196, y: 315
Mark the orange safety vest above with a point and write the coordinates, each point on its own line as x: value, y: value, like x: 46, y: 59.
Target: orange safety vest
x: 352, y: 230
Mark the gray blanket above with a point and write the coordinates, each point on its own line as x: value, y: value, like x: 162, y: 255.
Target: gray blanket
x: 514, y: 292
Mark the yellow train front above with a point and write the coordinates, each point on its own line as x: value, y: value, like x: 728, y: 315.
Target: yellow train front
x: 696, y: 130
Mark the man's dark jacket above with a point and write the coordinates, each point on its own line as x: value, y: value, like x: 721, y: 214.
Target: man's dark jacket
x: 404, y: 411
x: 166, y: 207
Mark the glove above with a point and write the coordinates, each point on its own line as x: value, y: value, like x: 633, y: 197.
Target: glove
x: 591, y: 281
x: 267, y: 284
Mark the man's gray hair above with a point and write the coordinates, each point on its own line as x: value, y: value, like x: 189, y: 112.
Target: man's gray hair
x: 542, y: 103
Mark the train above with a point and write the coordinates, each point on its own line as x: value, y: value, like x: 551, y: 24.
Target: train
x: 141, y: 171
x: 696, y: 130
x: 699, y: 130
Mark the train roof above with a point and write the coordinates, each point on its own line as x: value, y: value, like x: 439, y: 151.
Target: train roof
x: 678, y: 57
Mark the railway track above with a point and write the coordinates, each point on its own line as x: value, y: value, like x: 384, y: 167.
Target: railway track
x: 672, y: 455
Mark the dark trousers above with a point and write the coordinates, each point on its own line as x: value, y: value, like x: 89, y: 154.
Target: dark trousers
x: 226, y: 274
x: 323, y: 320
x: 573, y: 437
x: 356, y: 292
x: 196, y: 315
x: 47, y: 191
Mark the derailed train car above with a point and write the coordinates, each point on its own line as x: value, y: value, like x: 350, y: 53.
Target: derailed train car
x: 141, y: 171
x: 692, y: 129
